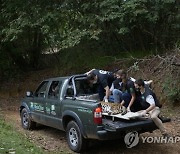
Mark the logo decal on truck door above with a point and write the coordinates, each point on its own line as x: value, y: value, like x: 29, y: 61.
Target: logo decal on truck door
x: 36, y: 107
x: 53, y: 110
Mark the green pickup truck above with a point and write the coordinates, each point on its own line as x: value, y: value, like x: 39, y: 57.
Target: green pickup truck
x: 71, y: 104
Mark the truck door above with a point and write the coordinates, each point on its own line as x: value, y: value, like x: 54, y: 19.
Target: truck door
x: 38, y: 103
x: 52, y: 106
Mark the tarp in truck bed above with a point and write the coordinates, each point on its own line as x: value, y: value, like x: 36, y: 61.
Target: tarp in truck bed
x: 127, y: 116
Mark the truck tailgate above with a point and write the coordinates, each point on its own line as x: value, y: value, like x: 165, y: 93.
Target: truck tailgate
x: 140, y: 125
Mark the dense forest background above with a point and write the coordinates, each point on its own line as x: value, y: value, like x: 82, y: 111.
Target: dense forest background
x: 77, y: 32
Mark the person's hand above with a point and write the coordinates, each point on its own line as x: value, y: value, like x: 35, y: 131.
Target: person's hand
x: 106, y: 100
x: 128, y: 109
x: 143, y: 113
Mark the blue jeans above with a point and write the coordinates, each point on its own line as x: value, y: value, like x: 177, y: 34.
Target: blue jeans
x: 127, y: 98
x: 111, y: 99
x: 119, y: 96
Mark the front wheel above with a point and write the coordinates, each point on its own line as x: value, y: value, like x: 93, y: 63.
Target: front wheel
x: 74, y: 137
x: 26, y: 121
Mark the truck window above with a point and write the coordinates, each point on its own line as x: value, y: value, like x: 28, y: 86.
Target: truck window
x: 41, y: 90
x: 70, y: 91
x: 84, y: 88
x: 54, y: 89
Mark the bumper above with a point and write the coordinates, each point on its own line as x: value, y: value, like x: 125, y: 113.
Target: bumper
x: 118, y: 129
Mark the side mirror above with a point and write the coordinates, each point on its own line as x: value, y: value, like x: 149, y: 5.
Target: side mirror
x: 29, y: 94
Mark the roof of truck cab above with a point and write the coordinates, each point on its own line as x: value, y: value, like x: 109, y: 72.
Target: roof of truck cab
x: 63, y: 78
x: 58, y: 78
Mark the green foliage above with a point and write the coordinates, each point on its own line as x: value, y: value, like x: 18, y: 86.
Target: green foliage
x: 171, y: 88
x: 82, y: 58
x: 30, y: 28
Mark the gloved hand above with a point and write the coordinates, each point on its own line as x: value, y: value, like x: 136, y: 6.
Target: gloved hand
x: 128, y: 109
x: 106, y: 100
x: 143, y: 113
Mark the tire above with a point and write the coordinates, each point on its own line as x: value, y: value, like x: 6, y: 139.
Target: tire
x: 76, y: 141
x: 26, y: 121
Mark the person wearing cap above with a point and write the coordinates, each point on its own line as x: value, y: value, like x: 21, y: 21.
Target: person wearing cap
x: 150, y: 104
x: 104, y: 81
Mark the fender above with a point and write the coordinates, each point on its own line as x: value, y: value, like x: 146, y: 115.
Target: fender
x: 77, y: 119
x: 24, y: 105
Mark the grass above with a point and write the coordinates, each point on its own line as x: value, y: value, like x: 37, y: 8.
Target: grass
x: 13, y: 142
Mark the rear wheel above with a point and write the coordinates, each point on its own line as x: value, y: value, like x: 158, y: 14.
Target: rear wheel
x: 74, y: 137
x: 26, y: 121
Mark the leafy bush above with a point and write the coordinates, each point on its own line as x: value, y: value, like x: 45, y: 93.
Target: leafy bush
x: 29, y: 28
x: 171, y: 88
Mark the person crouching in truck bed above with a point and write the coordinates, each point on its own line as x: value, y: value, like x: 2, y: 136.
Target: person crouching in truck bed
x: 124, y: 92
x: 104, y: 80
x: 150, y: 104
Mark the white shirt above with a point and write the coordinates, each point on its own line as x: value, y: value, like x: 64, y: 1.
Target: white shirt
x: 150, y: 100
x: 112, y: 87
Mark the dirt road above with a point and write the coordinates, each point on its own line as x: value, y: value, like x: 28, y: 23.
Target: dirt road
x: 54, y: 141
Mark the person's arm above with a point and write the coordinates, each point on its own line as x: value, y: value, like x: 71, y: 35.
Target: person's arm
x: 122, y: 103
x: 133, y: 97
x: 90, y: 71
x: 151, y: 101
x: 151, y: 107
x: 132, y: 79
x: 112, y: 87
x: 149, y: 82
x: 107, y: 93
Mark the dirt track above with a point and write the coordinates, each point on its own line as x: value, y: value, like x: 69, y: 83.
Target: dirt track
x: 54, y: 141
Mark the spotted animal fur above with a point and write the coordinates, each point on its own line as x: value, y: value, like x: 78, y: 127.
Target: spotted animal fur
x: 112, y: 108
